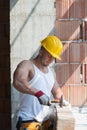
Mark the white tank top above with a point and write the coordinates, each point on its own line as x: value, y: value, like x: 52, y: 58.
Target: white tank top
x: 30, y: 108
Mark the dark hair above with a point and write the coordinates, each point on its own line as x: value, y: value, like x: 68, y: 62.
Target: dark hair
x: 42, y: 48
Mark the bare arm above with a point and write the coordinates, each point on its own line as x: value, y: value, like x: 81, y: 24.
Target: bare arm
x: 22, y: 75
x: 56, y: 90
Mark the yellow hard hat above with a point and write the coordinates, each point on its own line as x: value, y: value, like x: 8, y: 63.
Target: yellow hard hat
x: 53, y: 45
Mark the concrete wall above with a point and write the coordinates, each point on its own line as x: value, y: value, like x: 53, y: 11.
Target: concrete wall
x: 30, y: 22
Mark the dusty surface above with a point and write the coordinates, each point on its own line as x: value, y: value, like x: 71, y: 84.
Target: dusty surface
x: 80, y: 118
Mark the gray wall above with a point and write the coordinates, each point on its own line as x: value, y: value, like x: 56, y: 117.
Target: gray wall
x: 30, y: 22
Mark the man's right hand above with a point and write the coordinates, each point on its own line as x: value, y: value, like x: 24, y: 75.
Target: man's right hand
x: 43, y: 98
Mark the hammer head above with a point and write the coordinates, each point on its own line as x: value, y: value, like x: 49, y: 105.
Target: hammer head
x: 61, y: 101
x: 58, y: 102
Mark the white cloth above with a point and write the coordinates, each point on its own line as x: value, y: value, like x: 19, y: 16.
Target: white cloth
x: 30, y: 108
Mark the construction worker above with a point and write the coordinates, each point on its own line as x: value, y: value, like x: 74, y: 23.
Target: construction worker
x: 36, y: 81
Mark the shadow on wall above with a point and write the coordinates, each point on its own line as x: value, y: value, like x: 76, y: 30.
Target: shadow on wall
x: 14, y: 92
x: 72, y: 30
x: 17, y: 35
x: 74, y: 37
x: 12, y: 3
x: 52, y: 32
x: 72, y: 21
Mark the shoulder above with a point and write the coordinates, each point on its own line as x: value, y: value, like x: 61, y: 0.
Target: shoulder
x: 24, y: 68
x: 25, y: 63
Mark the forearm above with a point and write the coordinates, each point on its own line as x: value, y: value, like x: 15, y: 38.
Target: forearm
x: 24, y: 87
x: 58, y: 94
x: 56, y: 91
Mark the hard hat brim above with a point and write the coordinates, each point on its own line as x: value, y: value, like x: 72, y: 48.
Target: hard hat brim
x: 55, y: 56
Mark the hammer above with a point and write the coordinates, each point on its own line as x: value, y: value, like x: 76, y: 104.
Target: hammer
x: 58, y: 101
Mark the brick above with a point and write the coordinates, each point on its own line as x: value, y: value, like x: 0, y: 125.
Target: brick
x: 68, y: 29
x: 73, y: 90
x: 65, y: 90
x: 86, y: 97
x: 65, y: 119
x: 64, y: 54
x: 77, y: 52
x: 84, y: 26
x: 77, y: 95
x: 81, y: 95
x: 62, y: 9
x: 85, y: 9
x: 62, y: 72
x: 68, y: 9
x: 68, y: 74
x: 74, y: 52
x: 85, y: 56
x: 77, y: 9
x: 74, y: 73
x: 84, y: 72
x: 83, y: 52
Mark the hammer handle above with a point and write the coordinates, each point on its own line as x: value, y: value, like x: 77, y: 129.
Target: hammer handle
x: 55, y: 101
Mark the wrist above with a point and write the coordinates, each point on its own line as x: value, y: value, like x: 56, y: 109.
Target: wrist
x: 39, y: 94
x: 60, y: 98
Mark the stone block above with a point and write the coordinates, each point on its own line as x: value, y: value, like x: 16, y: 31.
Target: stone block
x: 65, y: 119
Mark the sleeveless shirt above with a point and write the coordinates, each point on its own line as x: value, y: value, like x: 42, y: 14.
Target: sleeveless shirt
x: 30, y: 108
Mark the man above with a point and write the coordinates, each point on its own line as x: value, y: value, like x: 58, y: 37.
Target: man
x: 36, y: 81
